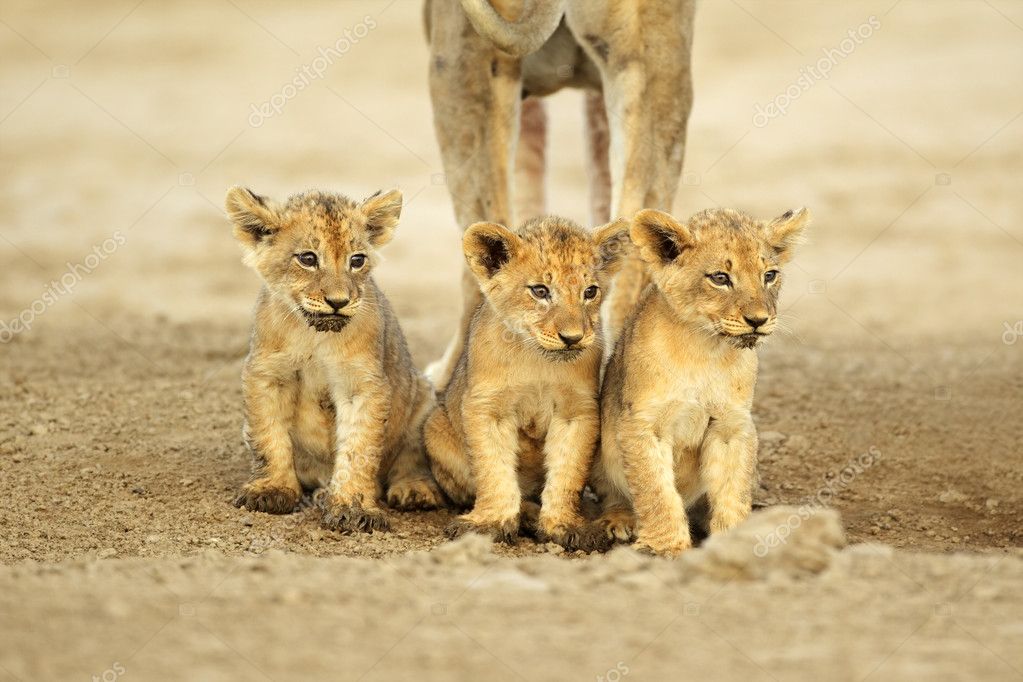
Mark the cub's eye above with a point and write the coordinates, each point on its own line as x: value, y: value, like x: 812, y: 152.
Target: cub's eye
x: 357, y: 261
x: 590, y: 293
x: 770, y: 276
x: 540, y: 291
x: 307, y: 259
x: 720, y: 279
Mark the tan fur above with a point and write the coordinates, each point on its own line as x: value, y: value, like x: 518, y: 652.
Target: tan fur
x: 331, y: 396
x: 634, y: 55
x: 531, y: 162
x: 678, y: 390
x: 519, y: 418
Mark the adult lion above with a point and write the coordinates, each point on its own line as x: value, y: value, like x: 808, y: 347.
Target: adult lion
x: 490, y: 61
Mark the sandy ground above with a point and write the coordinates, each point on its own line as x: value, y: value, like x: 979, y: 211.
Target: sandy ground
x: 895, y: 397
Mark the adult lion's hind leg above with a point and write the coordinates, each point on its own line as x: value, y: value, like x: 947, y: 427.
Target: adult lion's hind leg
x: 531, y: 162
x: 643, y: 52
x: 597, y: 147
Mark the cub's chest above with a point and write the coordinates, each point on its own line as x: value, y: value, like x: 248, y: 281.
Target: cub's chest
x: 533, y: 409
x: 713, y: 389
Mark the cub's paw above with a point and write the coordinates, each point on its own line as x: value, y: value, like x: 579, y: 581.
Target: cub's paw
x: 502, y: 531
x: 267, y: 498
x: 618, y: 525
x: 415, y: 494
x: 353, y: 518
x: 582, y: 536
x: 665, y: 548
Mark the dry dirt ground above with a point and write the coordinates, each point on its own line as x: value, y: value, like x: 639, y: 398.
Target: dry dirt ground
x: 894, y: 398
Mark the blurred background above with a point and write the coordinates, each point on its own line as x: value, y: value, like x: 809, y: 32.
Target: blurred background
x: 136, y: 116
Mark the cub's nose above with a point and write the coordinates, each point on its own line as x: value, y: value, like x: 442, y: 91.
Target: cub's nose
x: 336, y: 303
x: 570, y: 339
x: 754, y: 321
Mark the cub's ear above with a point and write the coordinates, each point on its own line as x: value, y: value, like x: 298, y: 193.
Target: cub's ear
x: 382, y: 212
x: 613, y: 243
x: 660, y: 238
x: 488, y: 247
x: 785, y: 231
x: 255, y: 218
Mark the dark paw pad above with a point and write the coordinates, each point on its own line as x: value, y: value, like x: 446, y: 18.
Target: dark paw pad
x: 269, y: 500
x: 353, y: 519
x: 588, y: 538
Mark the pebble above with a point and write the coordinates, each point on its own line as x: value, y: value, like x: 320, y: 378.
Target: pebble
x: 247, y: 521
x: 107, y: 553
x: 772, y: 437
x: 798, y: 443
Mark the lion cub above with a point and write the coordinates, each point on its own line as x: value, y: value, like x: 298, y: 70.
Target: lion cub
x: 331, y: 397
x: 678, y: 389
x: 519, y: 418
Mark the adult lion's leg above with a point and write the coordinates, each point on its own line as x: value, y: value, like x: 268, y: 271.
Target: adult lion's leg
x: 475, y: 90
x: 643, y: 52
x: 531, y: 161
x: 598, y: 141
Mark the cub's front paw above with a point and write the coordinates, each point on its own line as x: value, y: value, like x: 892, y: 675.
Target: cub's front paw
x: 583, y: 536
x: 667, y: 547
x: 415, y: 494
x: 505, y: 531
x: 269, y: 498
x: 618, y: 525
x: 353, y: 518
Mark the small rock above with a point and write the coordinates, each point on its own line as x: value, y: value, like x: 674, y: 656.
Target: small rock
x: 798, y: 443
x: 38, y: 430
x: 107, y: 553
x: 951, y: 495
x: 990, y: 503
x: 247, y: 520
x: 772, y: 438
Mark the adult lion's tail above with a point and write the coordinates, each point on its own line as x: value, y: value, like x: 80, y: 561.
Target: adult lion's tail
x: 537, y: 21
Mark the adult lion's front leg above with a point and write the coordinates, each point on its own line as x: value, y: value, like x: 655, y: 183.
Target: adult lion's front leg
x: 476, y: 90
x: 642, y: 48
